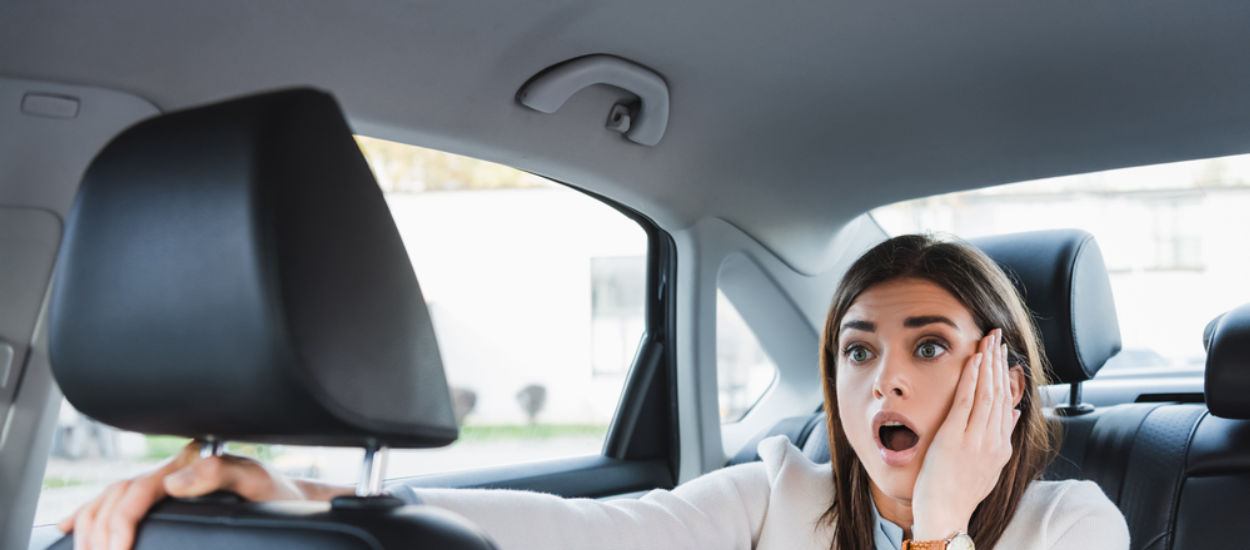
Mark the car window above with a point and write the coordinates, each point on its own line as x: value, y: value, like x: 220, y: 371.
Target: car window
x: 536, y: 292
x: 1170, y: 235
x: 744, y: 372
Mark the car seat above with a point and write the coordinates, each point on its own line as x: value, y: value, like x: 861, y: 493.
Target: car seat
x: 232, y: 272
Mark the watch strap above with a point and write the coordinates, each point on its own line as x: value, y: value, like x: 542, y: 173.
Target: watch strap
x: 958, y: 540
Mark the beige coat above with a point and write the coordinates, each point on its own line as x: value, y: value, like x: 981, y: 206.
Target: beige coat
x: 774, y: 504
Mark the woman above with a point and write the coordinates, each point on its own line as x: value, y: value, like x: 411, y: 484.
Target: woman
x: 930, y: 365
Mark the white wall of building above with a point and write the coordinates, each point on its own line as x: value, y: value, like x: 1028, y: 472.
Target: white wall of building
x: 507, y: 276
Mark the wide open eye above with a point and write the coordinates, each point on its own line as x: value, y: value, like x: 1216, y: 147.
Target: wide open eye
x: 858, y: 354
x: 930, y: 349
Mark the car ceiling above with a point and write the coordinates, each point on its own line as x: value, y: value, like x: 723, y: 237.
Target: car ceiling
x: 787, y: 119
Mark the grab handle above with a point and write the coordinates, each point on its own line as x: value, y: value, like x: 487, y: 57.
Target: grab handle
x: 643, y: 121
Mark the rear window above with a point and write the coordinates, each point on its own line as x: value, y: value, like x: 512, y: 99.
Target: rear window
x: 536, y: 292
x: 1172, y: 236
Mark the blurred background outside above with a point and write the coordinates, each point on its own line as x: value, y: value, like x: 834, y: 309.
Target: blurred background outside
x: 1173, y: 237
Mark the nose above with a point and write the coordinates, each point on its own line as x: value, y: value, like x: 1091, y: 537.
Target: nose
x: 891, y: 378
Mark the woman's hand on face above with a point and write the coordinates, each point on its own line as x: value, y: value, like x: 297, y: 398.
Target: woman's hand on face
x: 970, y: 449
x: 108, y: 522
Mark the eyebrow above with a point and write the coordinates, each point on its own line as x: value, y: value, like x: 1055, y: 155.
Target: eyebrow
x: 859, y: 325
x: 916, y: 322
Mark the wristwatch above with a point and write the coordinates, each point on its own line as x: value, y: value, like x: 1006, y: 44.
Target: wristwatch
x: 958, y: 541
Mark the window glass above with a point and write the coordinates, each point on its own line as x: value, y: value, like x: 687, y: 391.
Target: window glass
x: 743, y: 371
x: 1170, y: 235
x: 536, y: 292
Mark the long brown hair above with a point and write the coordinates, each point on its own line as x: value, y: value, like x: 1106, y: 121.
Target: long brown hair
x: 982, y: 287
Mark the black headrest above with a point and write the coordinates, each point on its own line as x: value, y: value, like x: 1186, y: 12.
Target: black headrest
x: 1065, y: 284
x: 233, y: 271
x: 1227, y: 383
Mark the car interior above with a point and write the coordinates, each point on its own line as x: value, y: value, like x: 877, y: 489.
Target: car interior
x: 192, y: 243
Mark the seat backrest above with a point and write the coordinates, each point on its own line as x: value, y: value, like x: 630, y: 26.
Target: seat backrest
x: 1213, y: 509
x: 1178, y: 472
x: 233, y: 271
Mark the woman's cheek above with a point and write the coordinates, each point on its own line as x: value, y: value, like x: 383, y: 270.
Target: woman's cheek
x: 850, y: 394
x: 853, y: 397
x: 942, y: 384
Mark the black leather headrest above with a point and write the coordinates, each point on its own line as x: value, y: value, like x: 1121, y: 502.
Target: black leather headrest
x: 233, y: 270
x: 1227, y: 383
x: 1065, y: 284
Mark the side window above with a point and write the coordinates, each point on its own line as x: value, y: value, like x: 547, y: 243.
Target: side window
x: 743, y: 371
x: 537, y: 295
x: 536, y: 292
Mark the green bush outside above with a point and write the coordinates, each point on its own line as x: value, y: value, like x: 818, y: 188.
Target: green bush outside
x: 161, y: 447
x: 61, y: 482
x: 536, y: 431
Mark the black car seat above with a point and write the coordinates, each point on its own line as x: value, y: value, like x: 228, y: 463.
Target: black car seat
x: 232, y: 272
x: 1213, y: 507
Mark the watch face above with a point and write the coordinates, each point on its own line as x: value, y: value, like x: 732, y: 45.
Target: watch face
x: 960, y: 542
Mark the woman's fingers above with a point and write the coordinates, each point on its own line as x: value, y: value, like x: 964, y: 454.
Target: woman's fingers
x: 957, y: 419
x: 243, y: 476
x: 98, y: 536
x: 83, y: 520
x: 67, y: 523
x: 998, y: 415
x: 1007, y: 420
x: 139, y: 497
x: 214, y: 473
x: 1004, y: 418
x: 197, y: 479
x: 983, y: 402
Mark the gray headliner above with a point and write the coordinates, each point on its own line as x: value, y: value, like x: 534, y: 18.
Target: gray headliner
x: 786, y: 121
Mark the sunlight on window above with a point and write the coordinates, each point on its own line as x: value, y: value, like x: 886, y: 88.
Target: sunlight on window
x: 1169, y: 233
x: 744, y: 372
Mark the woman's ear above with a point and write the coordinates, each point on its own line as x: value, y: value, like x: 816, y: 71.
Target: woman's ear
x: 1017, y: 384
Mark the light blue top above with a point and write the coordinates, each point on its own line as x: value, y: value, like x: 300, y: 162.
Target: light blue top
x: 886, y: 536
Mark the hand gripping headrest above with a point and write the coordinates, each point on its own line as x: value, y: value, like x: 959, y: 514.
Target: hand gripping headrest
x: 233, y: 271
x: 1065, y: 285
x: 1227, y: 383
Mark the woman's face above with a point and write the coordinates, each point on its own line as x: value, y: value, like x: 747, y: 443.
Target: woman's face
x: 901, y: 347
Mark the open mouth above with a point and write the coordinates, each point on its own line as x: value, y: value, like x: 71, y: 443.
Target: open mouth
x: 897, y: 437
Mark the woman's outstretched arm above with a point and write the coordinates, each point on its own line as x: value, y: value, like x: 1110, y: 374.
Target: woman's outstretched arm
x: 724, y: 509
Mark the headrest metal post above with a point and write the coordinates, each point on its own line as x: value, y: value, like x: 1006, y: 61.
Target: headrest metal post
x: 211, y: 446
x: 1074, y: 407
x: 373, y: 471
